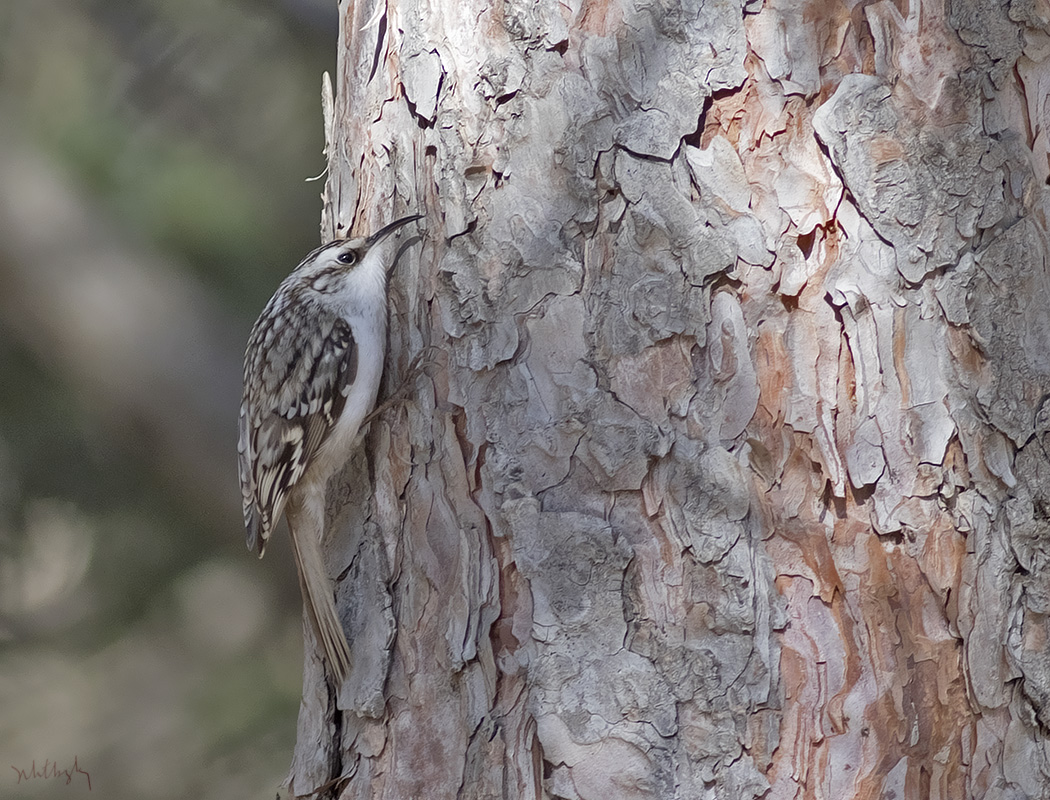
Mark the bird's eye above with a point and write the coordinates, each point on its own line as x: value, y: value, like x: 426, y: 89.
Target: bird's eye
x: 347, y: 257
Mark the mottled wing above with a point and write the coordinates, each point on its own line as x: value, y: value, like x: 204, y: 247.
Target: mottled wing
x: 300, y: 363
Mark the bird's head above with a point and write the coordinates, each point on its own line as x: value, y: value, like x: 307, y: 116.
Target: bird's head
x: 353, y: 264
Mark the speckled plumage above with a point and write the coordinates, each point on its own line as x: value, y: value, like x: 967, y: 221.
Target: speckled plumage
x: 312, y: 370
x: 300, y: 363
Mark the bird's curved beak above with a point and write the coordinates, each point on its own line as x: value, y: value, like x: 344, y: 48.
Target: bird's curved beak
x: 386, y: 230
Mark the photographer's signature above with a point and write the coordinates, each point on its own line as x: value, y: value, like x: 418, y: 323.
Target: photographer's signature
x: 50, y: 771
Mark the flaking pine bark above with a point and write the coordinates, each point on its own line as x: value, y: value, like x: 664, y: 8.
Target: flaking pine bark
x: 729, y: 475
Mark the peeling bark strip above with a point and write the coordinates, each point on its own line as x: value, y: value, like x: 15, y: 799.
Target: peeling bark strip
x: 732, y: 479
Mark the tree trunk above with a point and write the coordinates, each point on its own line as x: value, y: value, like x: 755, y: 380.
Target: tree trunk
x: 730, y: 479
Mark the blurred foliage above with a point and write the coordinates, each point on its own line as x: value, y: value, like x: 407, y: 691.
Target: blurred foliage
x: 150, y: 647
x: 195, y: 123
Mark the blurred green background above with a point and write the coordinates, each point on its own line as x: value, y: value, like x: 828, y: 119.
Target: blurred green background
x: 153, y: 158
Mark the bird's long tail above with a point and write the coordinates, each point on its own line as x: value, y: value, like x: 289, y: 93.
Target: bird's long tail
x: 306, y: 522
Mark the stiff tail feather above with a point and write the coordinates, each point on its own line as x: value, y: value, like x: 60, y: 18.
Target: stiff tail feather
x: 317, y: 592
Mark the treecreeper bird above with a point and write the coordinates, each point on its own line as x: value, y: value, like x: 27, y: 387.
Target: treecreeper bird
x: 311, y: 375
